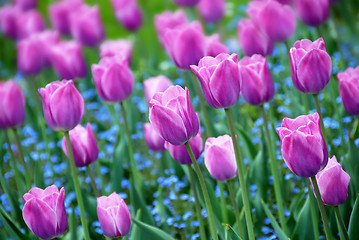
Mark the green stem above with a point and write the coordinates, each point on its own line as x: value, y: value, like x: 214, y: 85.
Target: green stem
x: 275, y: 172
x: 317, y: 106
x: 223, y: 202
x: 232, y: 195
x: 305, y: 103
x: 205, y: 192
x: 93, y: 182
x: 197, y: 203
x: 312, y: 209
x: 242, y: 182
x: 80, y: 201
x: 321, y: 208
x: 343, y: 229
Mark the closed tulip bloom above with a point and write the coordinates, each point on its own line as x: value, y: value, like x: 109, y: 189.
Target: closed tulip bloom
x: 63, y: 105
x: 26, y: 4
x: 30, y: 57
x: 311, y: 65
x: 154, y: 85
x: 86, y: 25
x: 214, y: 46
x: 174, y: 108
x: 29, y: 22
x: 113, y: 214
x: 153, y: 139
x: 121, y: 47
x: 277, y: 20
x: 8, y: 20
x: 219, y: 78
x: 311, y: 12
x: 185, y: 44
x: 253, y: 40
x: 44, y: 211
x: 303, y: 147
x: 68, y: 60
x: 257, y: 86
x: 219, y: 158
x: 333, y: 183
x: 212, y: 10
x: 349, y: 90
x: 12, y: 105
x: 113, y: 79
x: 84, y: 145
x: 47, y: 40
x: 186, y: 3
x: 128, y: 13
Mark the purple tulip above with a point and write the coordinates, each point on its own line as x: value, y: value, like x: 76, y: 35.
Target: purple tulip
x: 174, y: 108
x: 311, y: 12
x: 303, y: 147
x: 277, y: 20
x: 122, y: 48
x: 253, y: 40
x: 12, y: 105
x: 219, y: 158
x: 153, y: 139
x: 257, y: 86
x: 113, y: 79
x: 311, y: 65
x: 44, y: 211
x: 29, y: 22
x: 26, y: 4
x: 8, y: 20
x: 349, y: 91
x: 63, y: 105
x: 219, y: 79
x: 212, y: 10
x: 68, y: 60
x: 84, y: 145
x: 154, y: 85
x: 128, y: 13
x: 214, y: 46
x: 47, y: 39
x: 186, y: 3
x: 113, y: 214
x: 86, y: 26
x: 333, y: 183
x: 185, y: 44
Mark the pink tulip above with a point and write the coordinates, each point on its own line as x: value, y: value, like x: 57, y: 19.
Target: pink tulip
x: 153, y: 139
x: 311, y: 12
x: 121, y: 47
x: 154, y: 85
x: 214, y: 46
x: 28, y: 23
x: 128, y: 13
x: 8, y: 20
x: 349, y: 90
x: 212, y: 10
x: 186, y: 3
x: 26, y: 4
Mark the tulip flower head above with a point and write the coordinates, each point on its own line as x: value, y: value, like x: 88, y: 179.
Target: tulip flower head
x: 121, y: 47
x: 26, y: 4
x: 186, y: 3
x: 212, y: 10
x: 29, y: 22
x: 214, y: 46
x: 128, y: 13
x: 9, y: 15
x: 153, y: 139
x: 311, y: 12
x: 349, y: 90
x: 154, y: 85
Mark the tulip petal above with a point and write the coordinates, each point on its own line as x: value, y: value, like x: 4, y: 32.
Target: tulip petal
x: 220, y: 170
x: 107, y: 223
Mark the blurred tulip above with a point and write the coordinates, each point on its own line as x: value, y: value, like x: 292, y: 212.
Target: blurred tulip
x: 311, y: 65
x: 173, y: 116
x: 68, y: 60
x: 113, y: 214
x: 84, y: 145
x: 212, y: 10
x: 311, y: 12
x: 121, y: 47
x: 257, y: 86
x: 349, y: 90
x: 253, y: 40
x: 113, y: 79
x: 47, y: 40
x: 12, y: 105
x: 186, y: 3
x: 8, y: 20
x: 153, y: 139
x: 63, y: 105
x: 303, y: 147
x: 29, y: 22
x: 154, y: 85
x: 219, y: 158
x: 128, y: 13
x: 214, y: 46
x: 185, y: 44
x: 26, y: 4
x: 219, y: 79
x: 44, y: 211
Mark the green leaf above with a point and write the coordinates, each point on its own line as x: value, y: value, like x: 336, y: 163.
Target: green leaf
x: 233, y: 234
x: 277, y: 229
x: 138, y: 203
x: 353, y: 230
x: 11, y: 226
x: 304, y: 227
x: 248, y: 146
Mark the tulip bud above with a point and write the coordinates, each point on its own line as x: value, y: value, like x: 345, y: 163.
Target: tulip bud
x: 26, y: 4
x: 219, y: 158
x: 128, y: 13
x: 8, y: 20
x: 257, y: 86
x: 63, y: 105
x: 44, y: 211
x: 113, y: 214
x: 349, y: 91
x: 47, y: 39
x: 113, y: 79
x: 84, y: 145
x: 29, y: 22
x: 253, y: 40
x: 311, y: 12
x: 219, y: 79
x: 186, y: 3
x: 174, y: 108
x: 212, y: 10
x: 111, y: 48
x: 311, y: 65
x: 333, y: 183
x: 153, y: 139
x: 68, y: 60
x: 154, y: 85
x: 12, y: 105
x: 214, y: 46
x: 303, y: 147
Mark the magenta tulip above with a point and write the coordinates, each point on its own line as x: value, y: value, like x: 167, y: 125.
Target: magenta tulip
x: 29, y: 22
x: 311, y: 12
x: 12, y: 105
x: 349, y: 90
x: 121, y: 48
x: 186, y: 3
x: 63, y: 105
x: 174, y: 108
x: 153, y: 139
x: 219, y: 158
x: 154, y: 85
x: 257, y: 86
x: 113, y: 79
x: 219, y: 79
x: 113, y: 214
x: 303, y: 147
x: 128, y: 13
x: 26, y: 4
x: 44, y: 211
x: 214, y: 46
x: 212, y: 10
x: 8, y: 20
x: 311, y: 65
